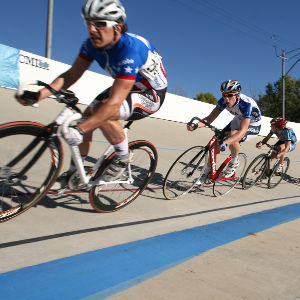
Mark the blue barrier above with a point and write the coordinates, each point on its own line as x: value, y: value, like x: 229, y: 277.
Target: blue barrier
x: 9, y: 66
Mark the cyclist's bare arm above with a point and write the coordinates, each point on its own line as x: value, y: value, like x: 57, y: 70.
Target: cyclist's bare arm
x: 68, y: 78
x: 239, y: 134
x: 265, y: 140
x: 110, y: 108
x: 209, y: 119
x: 64, y: 80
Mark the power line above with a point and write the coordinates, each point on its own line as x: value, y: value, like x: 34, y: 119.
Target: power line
x: 215, y: 10
x: 242, y: 21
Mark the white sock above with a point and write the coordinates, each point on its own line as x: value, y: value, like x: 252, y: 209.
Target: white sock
x: 207, y: 170
x: 121, y: 148
x: 235, y: 160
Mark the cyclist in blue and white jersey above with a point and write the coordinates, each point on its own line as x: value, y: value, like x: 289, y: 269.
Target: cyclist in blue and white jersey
x: 244, y: 126
x: 139, y: 85
x: 286, y: 140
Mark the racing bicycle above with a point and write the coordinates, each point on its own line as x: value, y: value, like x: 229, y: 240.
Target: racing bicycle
x: 262, y: 168
x: 32, y: 156
x: 185, y: 173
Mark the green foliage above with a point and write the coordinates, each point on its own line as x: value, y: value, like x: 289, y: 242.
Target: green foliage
x: 207, y: 97
x: 271, y: 103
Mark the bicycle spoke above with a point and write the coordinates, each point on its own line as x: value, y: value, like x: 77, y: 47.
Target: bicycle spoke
x: 256, y: 171
x: 223, y: 184
x: 114, y: 196
x: 22, y: 183
x: 184, y: 173
x: 275, y: 177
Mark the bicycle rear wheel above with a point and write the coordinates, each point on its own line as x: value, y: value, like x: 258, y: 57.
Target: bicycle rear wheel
x: 184, y: 172
x: 274, y: 178
x: 29, y: 165
x: 223, y: 185
x: 255, y: 171
x: 114, y: 196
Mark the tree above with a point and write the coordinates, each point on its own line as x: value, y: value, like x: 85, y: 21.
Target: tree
x: 207, y: 97
x: 271, y: 103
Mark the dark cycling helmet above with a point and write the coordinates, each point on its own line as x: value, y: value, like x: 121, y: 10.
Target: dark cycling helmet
x: 111, y: 10
x: 278, y: 121
x: 230, y: 86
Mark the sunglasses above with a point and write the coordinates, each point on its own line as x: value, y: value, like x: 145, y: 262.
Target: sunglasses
x: 100, y: 24
x: 229, y: 95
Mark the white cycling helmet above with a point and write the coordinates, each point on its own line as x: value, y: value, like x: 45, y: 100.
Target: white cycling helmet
x: 230, y: 86
x: 111, y: 10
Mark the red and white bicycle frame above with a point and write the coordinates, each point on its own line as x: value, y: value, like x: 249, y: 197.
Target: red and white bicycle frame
x: 212, y: 161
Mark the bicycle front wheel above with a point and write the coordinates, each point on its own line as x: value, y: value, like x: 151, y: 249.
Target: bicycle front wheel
x: 275, y: 178
x: 184, y: 172
x: 255, y: 171
x: 223, y: 185
x: 29, y: 165
x: 114, y: 196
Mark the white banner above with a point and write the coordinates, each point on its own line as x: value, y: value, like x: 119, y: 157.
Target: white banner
x: 175, y: 108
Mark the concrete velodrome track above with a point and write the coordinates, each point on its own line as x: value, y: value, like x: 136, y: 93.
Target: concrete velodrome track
x: 245, y: 245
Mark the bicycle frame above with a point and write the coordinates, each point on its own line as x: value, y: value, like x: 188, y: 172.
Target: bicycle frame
x: 210, y: 147
x: 268, y: 155
x: 25, y: 180
x: 66, y: 117
x: 212, y: 159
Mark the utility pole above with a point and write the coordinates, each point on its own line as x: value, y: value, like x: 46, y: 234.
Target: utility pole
x: 49, y: 29
x: 283, y: 75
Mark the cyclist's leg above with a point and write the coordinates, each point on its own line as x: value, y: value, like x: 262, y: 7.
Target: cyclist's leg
x: 251, y: 133
x: 282, y: 155
x: 281, y: 146
x: 114, y: 195
x: 225, y: 133
x: 84, y: 147
x: 137, y: 105
x: 235, y: 147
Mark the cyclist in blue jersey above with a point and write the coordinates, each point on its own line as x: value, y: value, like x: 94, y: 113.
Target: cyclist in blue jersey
x: 244, y: 126
x: 138, y: 89
x: 286, y: 140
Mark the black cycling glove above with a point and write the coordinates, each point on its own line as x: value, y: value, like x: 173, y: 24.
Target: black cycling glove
x: 30, y: 97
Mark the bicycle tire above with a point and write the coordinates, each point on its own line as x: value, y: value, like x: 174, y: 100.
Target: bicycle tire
x: 112, y: 197
x: 222, y: 185
x: 19, y: 192
x: 255, y: 171
x: 184, y: 172
x: 275, y: 179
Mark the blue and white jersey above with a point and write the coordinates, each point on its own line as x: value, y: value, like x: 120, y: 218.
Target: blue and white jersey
x: 132, y: 58
x: 287, y: 134
x: 245, y: 107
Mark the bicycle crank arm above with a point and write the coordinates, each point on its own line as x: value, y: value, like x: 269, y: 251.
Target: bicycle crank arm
x: 102, y: 182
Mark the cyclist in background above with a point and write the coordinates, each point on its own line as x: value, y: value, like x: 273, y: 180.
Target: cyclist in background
x: 287, y: 140
x: 138, y: 89
x: 244, y: 126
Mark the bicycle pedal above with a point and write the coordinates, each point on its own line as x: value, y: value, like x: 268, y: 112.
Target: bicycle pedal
x: 61, y: 191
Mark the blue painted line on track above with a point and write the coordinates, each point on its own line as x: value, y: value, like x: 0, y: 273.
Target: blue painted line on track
x: 102, y: 273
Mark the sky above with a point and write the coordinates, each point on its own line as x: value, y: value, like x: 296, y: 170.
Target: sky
x: 202, y: 42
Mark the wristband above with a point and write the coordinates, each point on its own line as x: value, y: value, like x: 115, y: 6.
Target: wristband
x: 194, y: 126
x: 78, y: 129
x: 223, y: 146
